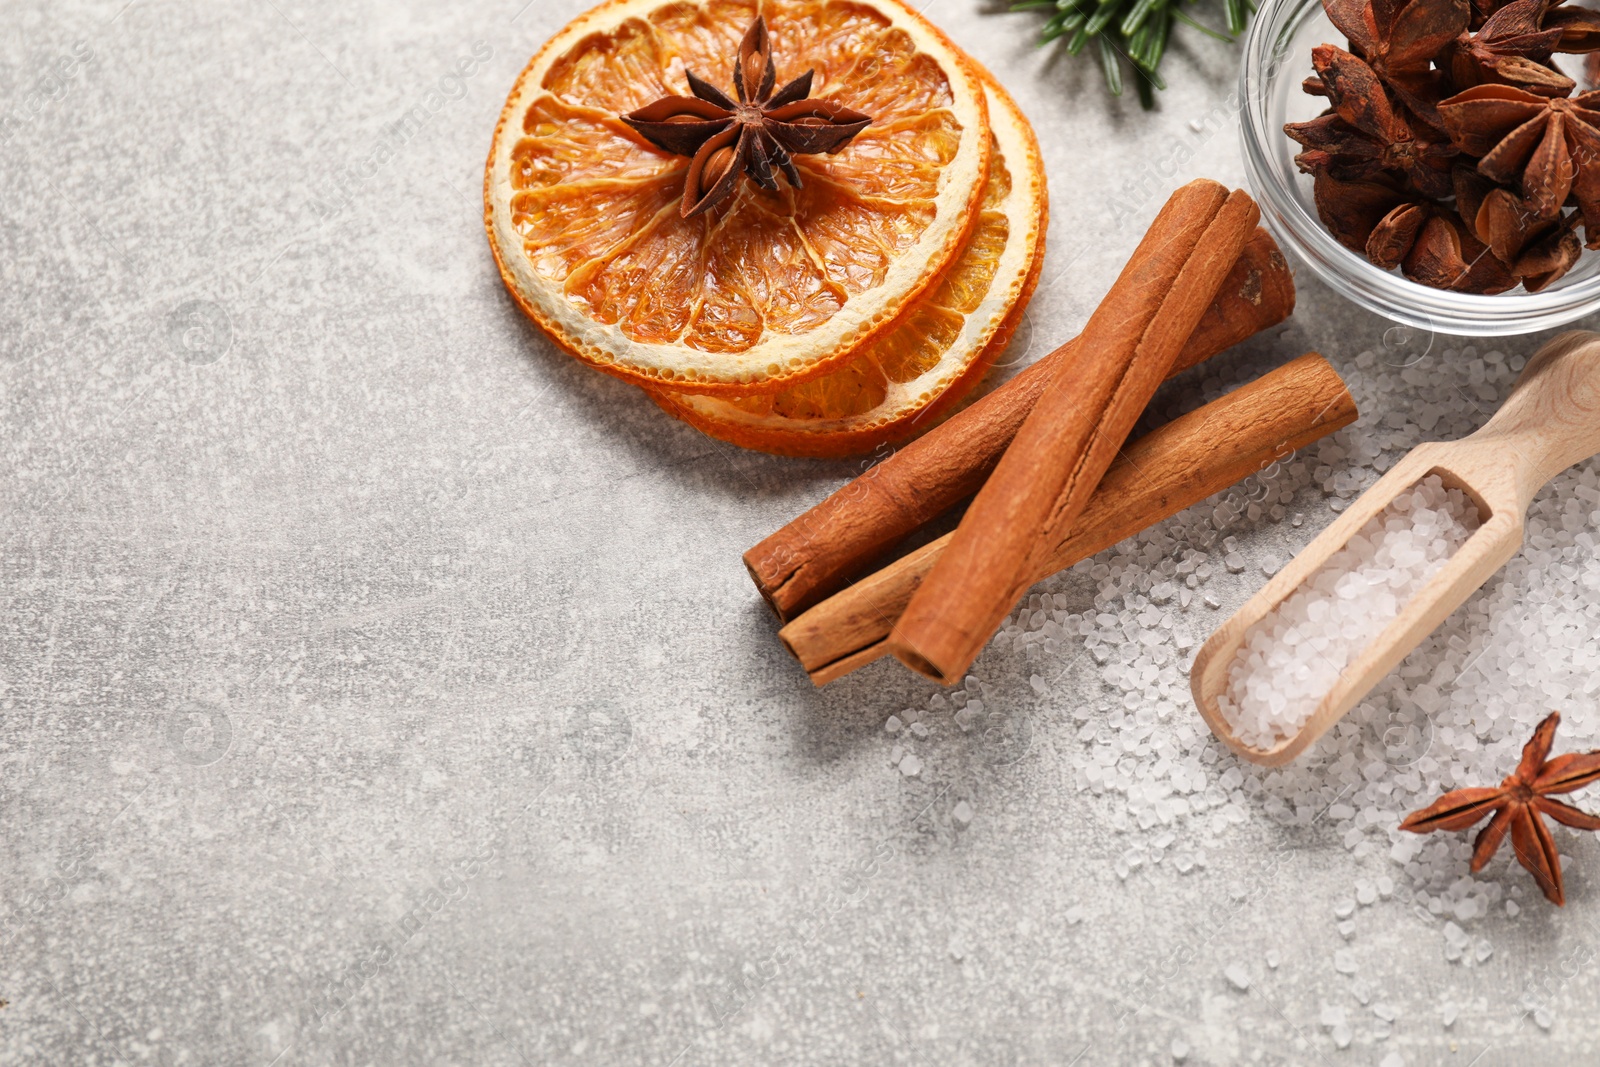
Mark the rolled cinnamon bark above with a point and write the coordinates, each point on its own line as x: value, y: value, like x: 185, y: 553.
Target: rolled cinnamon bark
x: 1155, y: 477
x: 829, y: 545
x: 1051, y: 468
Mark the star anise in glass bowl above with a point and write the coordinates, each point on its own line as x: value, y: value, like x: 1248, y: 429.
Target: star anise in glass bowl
x: 1453, y: 117
x: 1514, y: 46
x: 1365, y: 136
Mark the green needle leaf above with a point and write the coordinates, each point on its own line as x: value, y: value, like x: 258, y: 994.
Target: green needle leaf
x: 1207, y: 30
x: 1137, y: 15
x: 1102, y: 18
x: 1110, y: 67
x: 1150, y: 57
x: 1071, y: 22
x: 1136, y: 29
x: 1137, y: 42
x: 1237, y: 16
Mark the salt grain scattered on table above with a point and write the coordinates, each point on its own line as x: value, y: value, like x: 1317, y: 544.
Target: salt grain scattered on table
x: 961, y: 814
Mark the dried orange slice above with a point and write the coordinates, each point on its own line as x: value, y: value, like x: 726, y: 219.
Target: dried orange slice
x: 902, y: 382
x: 768, y: 288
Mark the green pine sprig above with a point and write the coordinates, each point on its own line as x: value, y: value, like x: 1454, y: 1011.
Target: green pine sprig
x: 1131, y: 31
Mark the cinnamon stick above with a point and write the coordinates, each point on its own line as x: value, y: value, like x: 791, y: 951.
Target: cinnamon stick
x: 822, y: 550
x: 1052, y: 466
x: 1157, y: 476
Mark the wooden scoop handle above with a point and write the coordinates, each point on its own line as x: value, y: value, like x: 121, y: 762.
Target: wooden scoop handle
x: 1551, y: 420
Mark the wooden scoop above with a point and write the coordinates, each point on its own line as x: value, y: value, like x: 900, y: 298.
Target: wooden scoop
x: 1550, y: 421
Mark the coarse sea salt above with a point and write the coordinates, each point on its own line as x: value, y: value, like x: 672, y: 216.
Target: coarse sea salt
x: 1292, y: 657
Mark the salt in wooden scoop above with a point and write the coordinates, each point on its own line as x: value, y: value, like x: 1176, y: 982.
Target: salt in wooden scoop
x: 1550, y: 421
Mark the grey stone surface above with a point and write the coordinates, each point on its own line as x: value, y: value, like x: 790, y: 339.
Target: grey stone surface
x: 379, y: 686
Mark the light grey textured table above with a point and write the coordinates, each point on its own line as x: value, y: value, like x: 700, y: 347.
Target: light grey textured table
x: 380, y: 686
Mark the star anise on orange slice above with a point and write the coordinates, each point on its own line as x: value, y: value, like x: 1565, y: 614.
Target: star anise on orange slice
x: 1518, y: 804
x: 760, y: 130
x: 1512, y: 47
x: 1399, y: 39
x: 1549, y: 147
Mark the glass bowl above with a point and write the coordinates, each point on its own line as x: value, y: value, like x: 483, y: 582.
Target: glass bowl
x: 1277, y: 56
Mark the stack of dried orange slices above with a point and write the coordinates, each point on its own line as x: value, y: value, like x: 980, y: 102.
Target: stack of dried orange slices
x: 803, y: 264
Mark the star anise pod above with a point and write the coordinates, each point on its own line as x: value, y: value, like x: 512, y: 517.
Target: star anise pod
x: 1507, y: 225
x: 1394, y: 238
x: 1483, y: 10
x: 1549, y: 147
x: 1528, y: 793
x: 726, y: 138
x: 1537, y: 249
x: 1579, y: 26
x: 1371, y: 217
x: 1353, y: 210
x: 1399, y: 40
x: 1498, y: 217
x: 1512, y: 47
x: 1446, y: 255
x: 1471, y: 190
x: 1548, y: 258
x: 1367, y: 133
